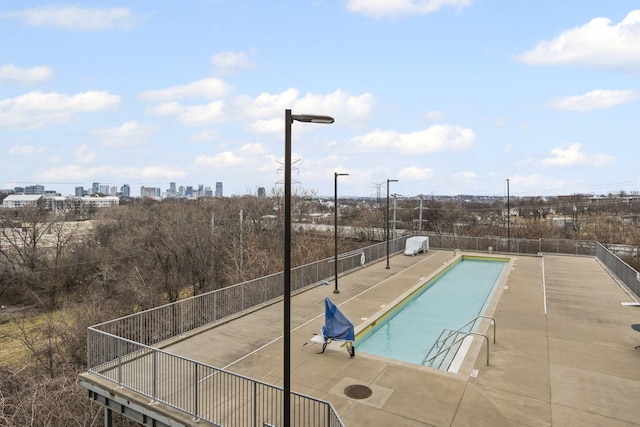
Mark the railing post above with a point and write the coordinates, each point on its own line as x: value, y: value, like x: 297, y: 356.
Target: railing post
x: 196, y: 409
x: 155, y: 374
x: 119, y: 362
x: 255, y: 404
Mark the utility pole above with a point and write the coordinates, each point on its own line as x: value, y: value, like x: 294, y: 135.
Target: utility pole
x: 378, y: 185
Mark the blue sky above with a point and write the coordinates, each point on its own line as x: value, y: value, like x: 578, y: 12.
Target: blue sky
x: 446, y: 96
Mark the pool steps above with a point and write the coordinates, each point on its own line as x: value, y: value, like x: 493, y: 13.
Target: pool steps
x: 444, y: 350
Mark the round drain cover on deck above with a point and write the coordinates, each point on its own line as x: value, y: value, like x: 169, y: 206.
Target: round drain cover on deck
x: 358, y: 391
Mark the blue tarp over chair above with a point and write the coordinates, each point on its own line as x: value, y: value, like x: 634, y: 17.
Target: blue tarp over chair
x: 336, y: 328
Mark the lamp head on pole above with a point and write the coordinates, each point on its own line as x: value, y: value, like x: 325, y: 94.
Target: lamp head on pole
x: 310, y: 118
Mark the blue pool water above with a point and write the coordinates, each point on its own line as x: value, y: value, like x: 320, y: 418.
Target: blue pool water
x: 448, y: 301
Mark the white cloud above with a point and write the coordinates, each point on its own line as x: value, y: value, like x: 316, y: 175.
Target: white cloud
x: 267, y: 109
x: 597, y: 43
x: 336, y: 104
x: 165, y: 109
x: 37, y: 109
x: 205, y: 136
x: 269, y: 126
x: 534, y: 183
x: 74, y: 18
x: 570, y: 155
x: 464, y: 176
x: 222, y: 160
x: 12, y: 73
x: 126, y: 134
x: 77, y: 173
x: 252, y: 150
x: 84, y: 154
x: 70, y: 173
x: 414, y: 173
x: 232, y: 61
x: 594, y: 100
x: 202, y: 115
x: 191, y: 116
x: 154, y: 172
x: 265, y: 104
x: 392, y: 8
x: 210, y: 88
x: 437, y: 138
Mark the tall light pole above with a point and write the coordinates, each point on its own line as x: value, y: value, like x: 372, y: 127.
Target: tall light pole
x: 335, y: 228
x: 508, y: 220
x: 288, y: 122
x: 386, y: 219
x: 420, y: 216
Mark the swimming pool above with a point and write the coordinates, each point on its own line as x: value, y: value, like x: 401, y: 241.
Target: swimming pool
x: 409, y: 331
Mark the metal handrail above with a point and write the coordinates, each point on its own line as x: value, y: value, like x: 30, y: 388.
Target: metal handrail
x: 459, y: 330
x: 458, y: 340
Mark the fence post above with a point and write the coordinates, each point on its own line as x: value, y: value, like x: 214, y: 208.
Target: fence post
x: 154, y: 366
x: 119, y: 362
x: 196, y: 409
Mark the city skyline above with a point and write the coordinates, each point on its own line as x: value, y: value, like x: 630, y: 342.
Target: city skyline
x: 448, y: 97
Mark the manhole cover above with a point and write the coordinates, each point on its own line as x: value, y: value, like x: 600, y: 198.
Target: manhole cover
x: 358, y: 391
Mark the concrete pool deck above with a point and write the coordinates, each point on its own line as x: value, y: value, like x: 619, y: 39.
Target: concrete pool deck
x: 564, y: 353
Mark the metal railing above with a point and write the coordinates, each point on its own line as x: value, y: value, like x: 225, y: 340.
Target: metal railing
x: 447, y: 347
x: 627, y: 274
x: 122, y: 351
x: 202, y: 391
x: 518, y: 246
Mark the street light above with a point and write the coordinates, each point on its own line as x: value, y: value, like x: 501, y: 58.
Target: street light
x: 508, y: 220
x: 335, y: 228
x: 386, y: 217
x: 288, y: 122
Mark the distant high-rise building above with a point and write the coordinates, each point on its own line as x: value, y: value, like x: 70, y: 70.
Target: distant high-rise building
x: 261, y: 192
x: 79, y: 191
x: 104, y: 189
x: 200, y: 190
x: 147, y: 192
x: 158, y: 192
x: 95, y: 188
x: 218, y: 189
x: 172, y: 187
x: 208, y: 192
x: 181, y: 191
x: 34, y: 189
x: 189, y: 191
x: 113, y: 190
x: 125, y: 190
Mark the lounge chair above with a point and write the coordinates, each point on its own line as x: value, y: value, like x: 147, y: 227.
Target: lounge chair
x: 336, y: 328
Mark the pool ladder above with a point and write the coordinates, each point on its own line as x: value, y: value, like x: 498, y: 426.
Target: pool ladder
x: 450, y: 344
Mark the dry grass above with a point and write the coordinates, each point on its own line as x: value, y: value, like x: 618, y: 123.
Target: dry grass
x: 12, y: 350
x: 14, y: 327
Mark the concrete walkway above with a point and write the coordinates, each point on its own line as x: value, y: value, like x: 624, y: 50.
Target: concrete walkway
x: 564, y: 354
